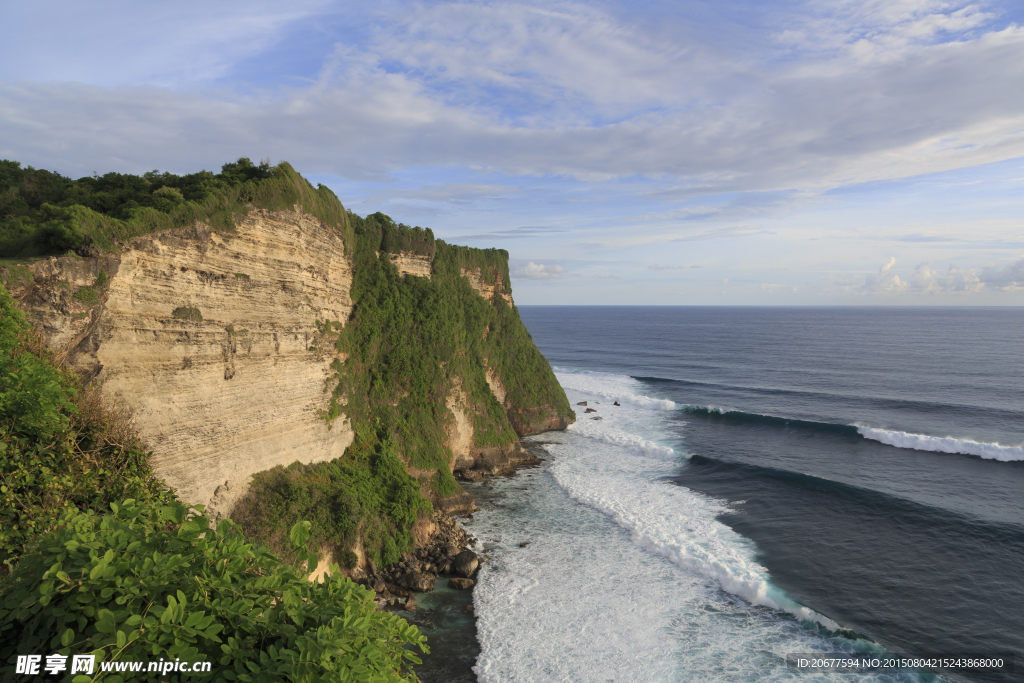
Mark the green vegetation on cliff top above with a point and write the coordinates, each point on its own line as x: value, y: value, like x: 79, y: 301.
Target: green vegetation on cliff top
x: 43, y: 213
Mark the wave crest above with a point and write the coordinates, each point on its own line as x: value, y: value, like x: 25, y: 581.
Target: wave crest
x: 943, y: 444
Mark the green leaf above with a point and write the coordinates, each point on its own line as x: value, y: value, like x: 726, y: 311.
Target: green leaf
x: 300, y: 534
x: 67, y: 637
x: 122, y: 639
x: 105, y: 622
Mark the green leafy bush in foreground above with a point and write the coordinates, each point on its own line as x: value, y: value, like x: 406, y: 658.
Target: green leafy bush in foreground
x: 149, y: 582
x: 61, y: 448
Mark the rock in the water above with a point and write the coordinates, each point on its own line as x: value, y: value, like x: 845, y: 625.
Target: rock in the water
x: 616, y: 403
x: 410, y: 604
x: 523, y: 544
x: 469, y: 608
x: 597, y: 418
x: 417, y: 581
x: 466, y: 563
x: 460, y: 584
x: 590, y: 410
x: 378, y: 585
x: 582, y: 403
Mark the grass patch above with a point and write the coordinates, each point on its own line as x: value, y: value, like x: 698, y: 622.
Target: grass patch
x: 16, y: 275
x: 188, y: 313
x: 241, y: 276
x: 87, y: 295
x: 365, y: 496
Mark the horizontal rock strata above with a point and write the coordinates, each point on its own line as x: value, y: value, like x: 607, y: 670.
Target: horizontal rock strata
x: 211, y: 338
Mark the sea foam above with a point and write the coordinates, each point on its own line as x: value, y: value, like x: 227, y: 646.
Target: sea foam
x: 602, y: 570
x: 946, y: 444
x: 663, y: 518
x: 610, y: 388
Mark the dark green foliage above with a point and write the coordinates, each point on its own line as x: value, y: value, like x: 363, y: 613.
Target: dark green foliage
x: 87, y: 295
x: 43, y: 213
x: 18, y: 275
x: 366, y: 495
x: 414, y: 341
x: 410, y: 339
x: 348, y: 559
x: 59, y: 448
x: 189, y: 313
x: 396, y: 238
x: 492, y: 263
x: 101, y: 281
x: 149, y: 582
x: 241, y: 276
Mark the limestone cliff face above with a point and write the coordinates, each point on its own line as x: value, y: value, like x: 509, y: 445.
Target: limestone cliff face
x: 235, y: 393
x: 482, y: 288
x: 409, y: 263
x: 212, y: 338
x: 474, y: 463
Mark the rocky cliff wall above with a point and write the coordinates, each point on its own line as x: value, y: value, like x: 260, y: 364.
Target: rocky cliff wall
x: 223, y: 396
x: 485, y: 290
x: 211, y: 338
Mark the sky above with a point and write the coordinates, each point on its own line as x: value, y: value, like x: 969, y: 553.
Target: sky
x: 826, y: 152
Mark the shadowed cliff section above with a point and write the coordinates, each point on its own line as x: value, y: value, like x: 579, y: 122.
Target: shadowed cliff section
x: 347, y: 366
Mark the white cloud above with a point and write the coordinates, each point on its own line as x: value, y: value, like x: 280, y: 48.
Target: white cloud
x: 926, y: 280
x: 1009, y: 277
x: 885, y: 280
x: 772, y: 287
x: 538, y: 271
x: 574, y: 92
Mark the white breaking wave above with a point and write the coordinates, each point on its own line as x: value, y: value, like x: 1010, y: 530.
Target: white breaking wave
x: 947, y: 444
x: 630, y: 442
x: 610, y: 388
x: 679, y: 525
x: 662, y: 518
x: 601, y: 570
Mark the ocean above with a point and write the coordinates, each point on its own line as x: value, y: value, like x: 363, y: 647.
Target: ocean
x: 773, y: 481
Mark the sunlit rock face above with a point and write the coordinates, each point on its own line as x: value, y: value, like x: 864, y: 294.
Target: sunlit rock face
x: 210, y: 337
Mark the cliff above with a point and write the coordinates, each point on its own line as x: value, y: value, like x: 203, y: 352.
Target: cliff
x: 222, y: 397
x: 298, y: 333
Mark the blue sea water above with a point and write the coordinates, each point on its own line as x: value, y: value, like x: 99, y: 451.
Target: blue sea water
x: 773, y: 481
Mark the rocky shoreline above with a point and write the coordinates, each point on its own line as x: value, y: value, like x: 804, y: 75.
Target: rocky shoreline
x: 447, y: 554
x: 433, y: 586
